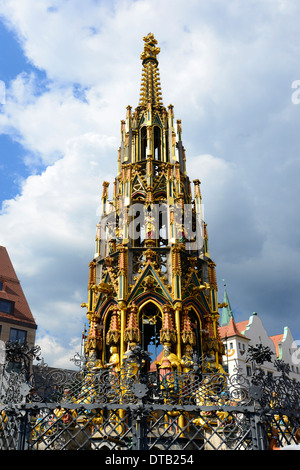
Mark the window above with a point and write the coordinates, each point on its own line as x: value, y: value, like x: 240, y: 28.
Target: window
x: 1, y: 285
x: 17, y: 335
x: 6, y: 306
x: 150, y: 325
x: 157, y: 143
x: 143, y: 143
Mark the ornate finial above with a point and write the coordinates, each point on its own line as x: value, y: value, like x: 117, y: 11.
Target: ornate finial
x: 150, y: 86
x: 188, y: 336
x: 150, y: 49
x: 114, y: 332
x: 132, y: 332
x: 168, y: 332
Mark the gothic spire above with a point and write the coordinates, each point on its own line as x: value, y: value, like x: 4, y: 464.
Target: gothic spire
x: 227, y: 313
x: 152, y: 256
x: 150, y: 85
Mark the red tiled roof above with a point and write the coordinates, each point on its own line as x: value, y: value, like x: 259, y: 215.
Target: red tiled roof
x: 233, y: 329
x: 13, y: 292
x: 158, y: 358
x: 277, y: 340
x: 242, y: 325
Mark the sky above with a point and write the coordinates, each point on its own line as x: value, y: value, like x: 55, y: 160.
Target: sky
x: 69, y: 69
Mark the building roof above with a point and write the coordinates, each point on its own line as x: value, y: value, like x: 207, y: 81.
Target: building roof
x: 12, y: 291
x: 157, y: 359
x: 277, y: 339
x: 233, y: 329
x: 226, y: 310
x: 238, y: 329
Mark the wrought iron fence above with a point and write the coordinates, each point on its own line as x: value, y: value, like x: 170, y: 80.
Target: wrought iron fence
x: 98, y: 409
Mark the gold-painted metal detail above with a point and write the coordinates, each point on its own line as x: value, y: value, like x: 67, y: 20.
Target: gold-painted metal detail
x: 145, y: 266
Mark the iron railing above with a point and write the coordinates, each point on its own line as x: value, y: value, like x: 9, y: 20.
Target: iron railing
x: 98, y: 409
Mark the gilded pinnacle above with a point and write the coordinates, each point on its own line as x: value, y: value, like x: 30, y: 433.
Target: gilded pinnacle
x: 150, y: 50
x: 150, y: 87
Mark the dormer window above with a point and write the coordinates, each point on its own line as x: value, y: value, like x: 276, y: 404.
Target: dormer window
x: 1, y: 285
x: 6, y: 306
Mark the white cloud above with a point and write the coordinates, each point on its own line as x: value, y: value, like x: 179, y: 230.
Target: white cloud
x: 46, y: 123
x: 228, y: 209
x: 49, y: 231
x: 61, y: 355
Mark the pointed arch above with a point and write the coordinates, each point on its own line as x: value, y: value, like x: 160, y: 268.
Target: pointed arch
x: 143, y: 143
x: 157, y: 121
x: 150, y: 316
x: 153, y: 296
x: 157, y: 143
x: 196, y: 314
x: 136, y: 294
x: 138, y: 188
x: 104, y: 322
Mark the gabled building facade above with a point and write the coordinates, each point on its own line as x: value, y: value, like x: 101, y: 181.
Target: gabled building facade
x: 16, y: 320
x: 238, y: 336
